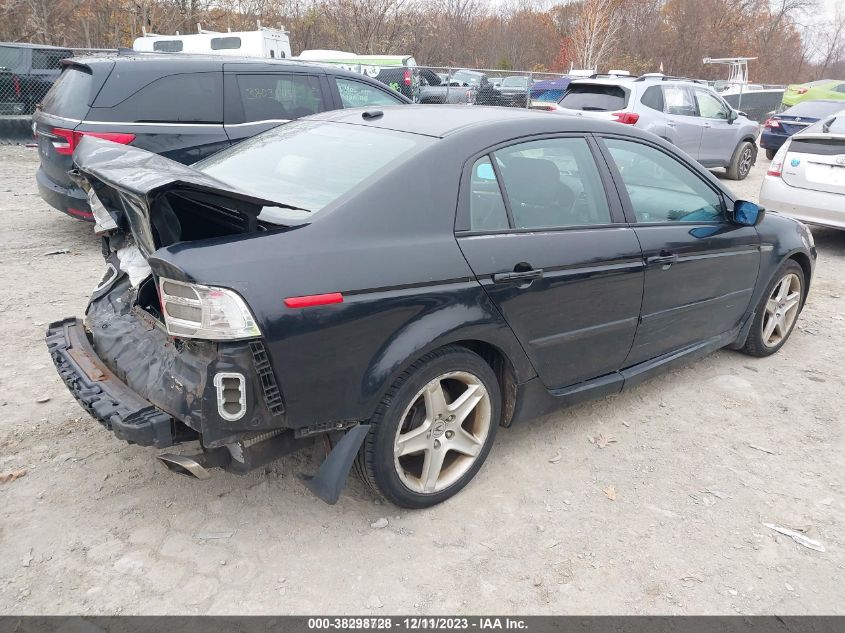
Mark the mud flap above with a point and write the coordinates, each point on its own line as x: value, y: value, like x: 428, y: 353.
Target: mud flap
x: 331, y: 477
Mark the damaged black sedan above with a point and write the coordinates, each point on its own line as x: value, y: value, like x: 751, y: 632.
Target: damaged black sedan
x: 396, y: 284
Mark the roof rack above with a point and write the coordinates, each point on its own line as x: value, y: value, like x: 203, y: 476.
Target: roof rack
x: 663, y: 77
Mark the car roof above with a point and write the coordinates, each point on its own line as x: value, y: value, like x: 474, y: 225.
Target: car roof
x: 197, y: 61
x: 46, y: 47
x: 446, y: 120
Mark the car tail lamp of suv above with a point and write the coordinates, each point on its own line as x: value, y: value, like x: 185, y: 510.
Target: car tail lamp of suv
x: 406, y: 77
x: 65, y: 141
x: 628, y: 118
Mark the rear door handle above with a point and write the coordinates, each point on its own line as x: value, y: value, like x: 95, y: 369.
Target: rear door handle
x: 522, y: 275
x: 665, y: 259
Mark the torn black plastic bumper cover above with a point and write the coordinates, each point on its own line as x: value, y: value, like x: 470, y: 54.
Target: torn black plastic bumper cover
x: 101, y: 393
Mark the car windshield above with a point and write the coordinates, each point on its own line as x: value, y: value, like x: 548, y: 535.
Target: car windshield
x: 466, y: 77
x: 309, y: 164
x: 11, y: 58
x: 814, y: 109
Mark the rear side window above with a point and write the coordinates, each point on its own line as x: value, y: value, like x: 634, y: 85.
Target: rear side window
x: 840, y: 88
x: 168, y: 46
x: 679, y: 101
x: 224, y: 43
x: 277, y: 96
x: 70, y: 95
x: 553, y: 183
x: 183, y: 98
x: 594, y: 97
x: 486, y: 207
x: 653, y: 98
x: 48, y: 60
x: 357, y: 94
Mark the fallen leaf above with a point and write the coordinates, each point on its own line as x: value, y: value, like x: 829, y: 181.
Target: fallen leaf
x: 43, y: 399
x: 10, y: 477
x: 556, y: 458
x: 381, y: 523
x: 610, y: 492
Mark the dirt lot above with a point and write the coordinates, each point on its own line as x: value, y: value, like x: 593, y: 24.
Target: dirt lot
x: 97, y: 526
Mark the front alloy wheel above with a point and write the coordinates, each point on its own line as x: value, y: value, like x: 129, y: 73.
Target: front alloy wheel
x: 433, y: 430
x: 777, y: 312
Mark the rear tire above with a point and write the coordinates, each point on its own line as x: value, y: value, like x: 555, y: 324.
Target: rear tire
x: 433, y: 429
x: 777, y: 312
x: 770, y: 153
x: 742, y: 161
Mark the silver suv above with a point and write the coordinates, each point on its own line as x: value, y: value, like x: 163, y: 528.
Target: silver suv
x: 686, y: 113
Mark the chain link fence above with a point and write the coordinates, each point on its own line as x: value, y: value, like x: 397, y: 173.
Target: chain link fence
x: 27, y: 72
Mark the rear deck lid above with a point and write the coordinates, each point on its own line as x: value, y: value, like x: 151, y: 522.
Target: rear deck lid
x: 816, y: 157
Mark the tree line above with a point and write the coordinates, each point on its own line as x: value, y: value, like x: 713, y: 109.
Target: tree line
x: 791, y: 41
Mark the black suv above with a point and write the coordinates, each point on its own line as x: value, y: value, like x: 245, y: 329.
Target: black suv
x: 184, y: 108
x: 27, y: 71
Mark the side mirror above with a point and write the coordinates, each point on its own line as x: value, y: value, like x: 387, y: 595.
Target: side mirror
x: 732, y: 115
x: 747, y: 213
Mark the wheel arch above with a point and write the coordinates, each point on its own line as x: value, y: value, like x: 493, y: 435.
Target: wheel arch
x: 803, y: 260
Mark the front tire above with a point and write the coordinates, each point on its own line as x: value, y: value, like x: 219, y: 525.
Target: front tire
x: 742, y: 161
x: 777, y: 312
x: 433, y: 430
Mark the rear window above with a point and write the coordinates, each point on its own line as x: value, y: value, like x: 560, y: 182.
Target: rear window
x: 12, y: 58
x: 71, y: 94
x: 594, y: 97
x: 815, y: 109
x: 309, y: 164
x: 168, y: 46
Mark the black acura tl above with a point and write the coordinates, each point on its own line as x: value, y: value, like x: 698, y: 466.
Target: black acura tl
x: 398, y: 283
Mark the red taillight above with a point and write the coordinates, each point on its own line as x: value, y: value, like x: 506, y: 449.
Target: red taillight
x: 628, y: 118
x: 308, y: 301
x: 68, y: 139
x: 801, y: 91
x: 16, y: 82
x: 79, y: 213
x: 772, y: 123
x: 407, y: 77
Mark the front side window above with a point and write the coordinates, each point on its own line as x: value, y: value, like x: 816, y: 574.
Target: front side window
x: 660, y: 188
x: 309, y: 164
x: 709, y: 106
x: 279, y: 97
x: 486, y: 207
x: 552, y: 183
x: 357, y: 94
x: 678, y: 100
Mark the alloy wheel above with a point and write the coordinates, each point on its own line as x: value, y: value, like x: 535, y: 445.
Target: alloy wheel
x: 442, y: 432
x: 745, y: 161
x: 781, y: 310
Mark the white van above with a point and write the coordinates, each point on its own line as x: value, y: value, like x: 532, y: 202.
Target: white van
x: 263, y: 42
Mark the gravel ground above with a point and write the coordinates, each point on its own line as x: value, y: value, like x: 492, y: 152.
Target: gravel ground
x: 97, y: 526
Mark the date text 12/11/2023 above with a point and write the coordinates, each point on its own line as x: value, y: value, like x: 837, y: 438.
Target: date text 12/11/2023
x: 417, y: 623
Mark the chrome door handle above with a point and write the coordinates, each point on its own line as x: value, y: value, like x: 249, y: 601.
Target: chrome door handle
x: 664, y: 259
x: 523, y: 275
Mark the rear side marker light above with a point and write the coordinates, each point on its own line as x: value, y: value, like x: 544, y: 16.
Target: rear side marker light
x: 231, y: 395
x: 65, y: 141
x: 308, y: 301
x: 628, y: 118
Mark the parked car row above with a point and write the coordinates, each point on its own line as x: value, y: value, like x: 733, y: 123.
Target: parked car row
x: 27, y: 73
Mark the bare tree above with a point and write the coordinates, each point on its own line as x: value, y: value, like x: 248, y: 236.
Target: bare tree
x: 596, y: 25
